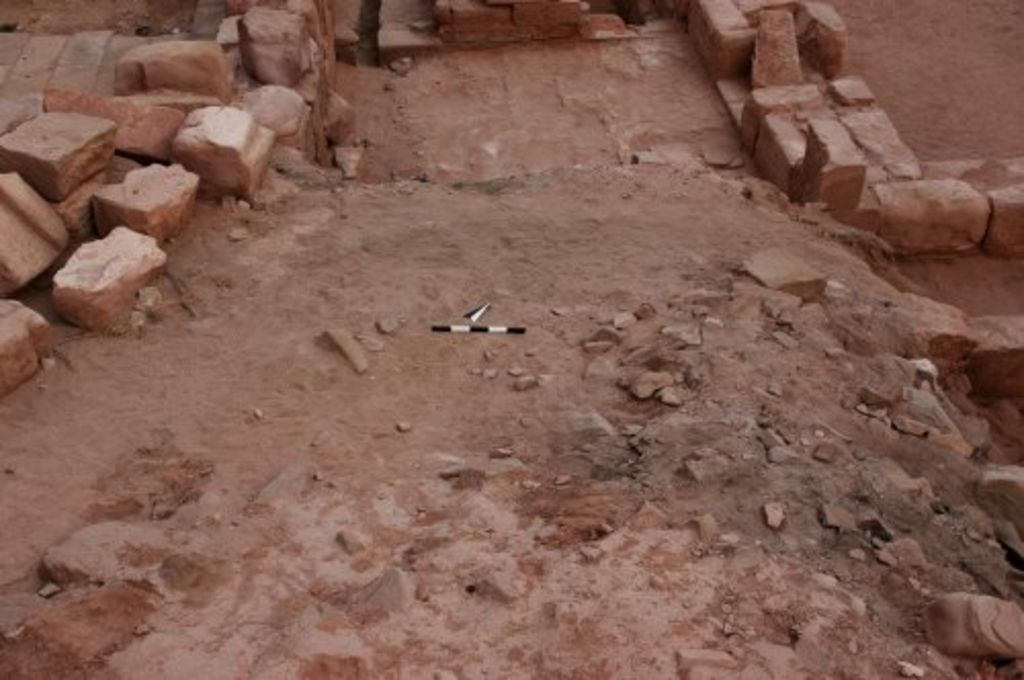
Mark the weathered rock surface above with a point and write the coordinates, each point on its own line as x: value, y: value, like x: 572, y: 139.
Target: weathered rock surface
x: 104, y: 552
x: 194, y: 66
x: 961, y: 624
x: 1005, y: 236
x: 24, y: 338
x: 56, y: 152
x: 142, y: 129
x: 1001, y: 491
x: 780, y: 269
x: 776, y: 59
x: 227, y: 148
x: 274, y: 45
x: 340, y: 119
x: 931, y: 216
x: 155, y: 200
x: 97, y: 286
x: 996, y: 366
x: 851, y: 91
x: 32, y: 235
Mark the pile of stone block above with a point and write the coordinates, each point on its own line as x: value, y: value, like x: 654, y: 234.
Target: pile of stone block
x: 498, y: 21
x: 819, y: 135
x: 91, y: 185
x: 282, y: 57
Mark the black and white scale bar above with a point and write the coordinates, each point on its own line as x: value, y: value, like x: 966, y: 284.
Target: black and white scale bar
x: 509, y: 330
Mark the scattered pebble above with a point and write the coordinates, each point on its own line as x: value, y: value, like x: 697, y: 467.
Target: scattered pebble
x: 238, y: 234
x: 909, y: 670
x: 774, y: 515
x: 516, y: 371
x: 388, y: 324
x: 403, y: 426
x: 562, y: 480
x: 48, y: 591
x: 526, y: 382
x: 490, y: 373
x: 502, y: 452
x: 623, y: 320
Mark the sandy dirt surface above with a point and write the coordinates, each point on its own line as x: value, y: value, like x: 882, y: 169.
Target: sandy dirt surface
x: 535, y: 107
x: 223, y: 496
x: 951, y: 74
x: 123, y: 16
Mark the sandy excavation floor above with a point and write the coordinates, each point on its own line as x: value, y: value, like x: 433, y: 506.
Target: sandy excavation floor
x: 951, y: 74
x: 488, y: 506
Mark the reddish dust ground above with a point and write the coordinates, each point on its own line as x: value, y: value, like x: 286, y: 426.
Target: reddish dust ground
x: 495, y: 506
x: 124, y: 16
x: 951, y: 74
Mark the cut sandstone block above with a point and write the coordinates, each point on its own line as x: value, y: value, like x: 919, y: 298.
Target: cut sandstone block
x: 1005, y: 237
x: 24, y: 337
x: 752, y: 9
x: 722, y: 36
x: 822, y: 36
x: 834, y: 169
x: 851, y: 91
x: 875, y: 133
x: 931, y: 216
x: 776, y: 60
x: 194, y: 66
x: 157, y: 201
x: 780, y: 269
x: 274, y: 45
x: 17, y: 110
x: 56, y: 152
x: 227, y: 148
x: 996, y: 366
x: 97, y: 286
x: 780, y: 151
x: 793, y: 99
x: 32, y: 235
x: 142, y: 130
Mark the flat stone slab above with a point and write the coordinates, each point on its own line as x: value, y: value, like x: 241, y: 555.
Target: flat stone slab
x: 32, y: 235
x: 24, y: 337
x: 781, y: 269
x: 98, y: 285
x: 56, y: 152
x: 156, y: 200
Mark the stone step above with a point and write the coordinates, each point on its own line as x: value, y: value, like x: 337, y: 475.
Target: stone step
x: 34, y: 67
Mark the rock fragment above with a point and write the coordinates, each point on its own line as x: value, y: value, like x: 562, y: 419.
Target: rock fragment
x: 822, y: 35
x: 280, y: 109
x: 645, y: 385
x: 56, y: 152
x: 774, y: 515
x: 24, y: 338
x: 351, y: 349
x: 961, y: 624
x: 781, y: 269
x: 98, y: 285
x: 156, y: 200
x: 104, y: 552
x: 834, y: 170
x: 32, y: 235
